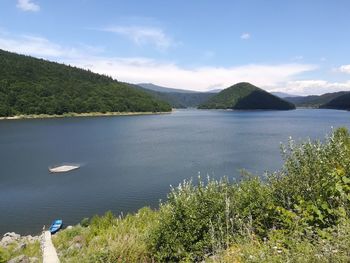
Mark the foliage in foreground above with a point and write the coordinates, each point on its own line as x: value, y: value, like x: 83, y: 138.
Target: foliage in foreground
x: 311, y: 193
x: 108, y: 239
x: 12, y: 251
x: 330, y: 245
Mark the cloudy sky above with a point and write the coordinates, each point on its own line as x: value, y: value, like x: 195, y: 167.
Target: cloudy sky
x: 299, y: 47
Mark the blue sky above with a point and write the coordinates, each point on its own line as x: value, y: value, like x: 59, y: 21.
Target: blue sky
x: 300, y: 47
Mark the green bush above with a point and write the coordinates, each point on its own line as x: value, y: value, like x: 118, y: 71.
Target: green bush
x: 314, y: 185
x: 85, y: 222
x: 186, y: 220
x: 311, y: 192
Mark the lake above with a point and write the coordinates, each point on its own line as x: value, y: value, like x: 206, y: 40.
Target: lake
x: 128, y: 162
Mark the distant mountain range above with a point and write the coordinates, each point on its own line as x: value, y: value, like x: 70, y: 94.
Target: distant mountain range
x: 157, y: 88
x: 245, y: 96
x: 177, y: 98
x: 283, y: 94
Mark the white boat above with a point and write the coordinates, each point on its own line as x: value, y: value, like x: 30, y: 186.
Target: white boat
x: 63, y: 168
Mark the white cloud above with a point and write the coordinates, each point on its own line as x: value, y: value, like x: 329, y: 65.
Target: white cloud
x: 344, y: 69
x: 316, y: 87
x: 143, y: 35
x: 136, y: 70
x: 36, y: 46
x: 245, y: 36
x: 27, y: 5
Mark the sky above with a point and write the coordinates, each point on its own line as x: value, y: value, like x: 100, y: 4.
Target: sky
x: 298, y: 47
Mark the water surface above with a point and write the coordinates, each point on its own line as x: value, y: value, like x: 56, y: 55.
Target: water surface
x: 130, y: 161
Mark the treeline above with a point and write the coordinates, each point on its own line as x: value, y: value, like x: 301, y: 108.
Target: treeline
x: 35, y: 86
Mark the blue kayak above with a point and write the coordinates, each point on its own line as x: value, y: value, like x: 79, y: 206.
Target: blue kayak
x: 55, y: 226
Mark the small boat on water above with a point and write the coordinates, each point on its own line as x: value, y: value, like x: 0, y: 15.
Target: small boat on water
x: 63, y: 168
x: 55, y: 226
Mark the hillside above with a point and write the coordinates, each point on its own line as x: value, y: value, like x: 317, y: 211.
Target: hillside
x: 341, y: 102
x: 245, y: 96
x: 34, y: 86
x: 175, y: 97
x: 314, y: 101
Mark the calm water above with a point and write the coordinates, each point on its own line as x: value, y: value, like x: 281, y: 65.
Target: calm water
x: 129, y: 162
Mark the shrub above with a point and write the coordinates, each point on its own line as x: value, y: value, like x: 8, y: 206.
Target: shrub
x: 186, y: 218
x: 199, y: 220
x: 309, y: 194
x: 314, y: 185
x: 85, y: 222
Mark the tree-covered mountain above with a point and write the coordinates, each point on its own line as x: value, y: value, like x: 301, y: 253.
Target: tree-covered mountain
x: 341, y: 102
x: 177, y: 98
x: 314, y: 101
x: 35, y: 86
x: 245, y: 96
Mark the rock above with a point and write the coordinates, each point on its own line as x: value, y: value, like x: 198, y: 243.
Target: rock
x: 19, y: 259
x: 9, y: 238
x: 5, y: 241
x: 13, y: 235
x: 69, y: 227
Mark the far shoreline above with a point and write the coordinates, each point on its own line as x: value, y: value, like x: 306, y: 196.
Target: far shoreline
x: 87, y: 114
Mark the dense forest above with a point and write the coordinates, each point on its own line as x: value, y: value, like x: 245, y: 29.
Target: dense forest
x: 245, y: 96
x: 35, y: 86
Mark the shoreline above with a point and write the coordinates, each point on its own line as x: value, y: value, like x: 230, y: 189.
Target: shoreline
x: 88, y: 114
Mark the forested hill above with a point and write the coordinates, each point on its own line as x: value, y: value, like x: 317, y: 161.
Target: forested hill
x: 245, y: 96
x: 35, y: 86
x: 315, y: 101
x: 341, y: 102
